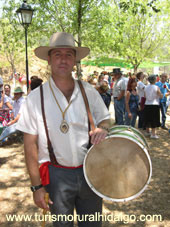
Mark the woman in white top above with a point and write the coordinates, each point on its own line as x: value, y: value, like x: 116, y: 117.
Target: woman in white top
x: 151, y: 111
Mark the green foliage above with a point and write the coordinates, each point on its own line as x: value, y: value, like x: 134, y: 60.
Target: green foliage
x: 82, y: 18
x: 11, y: 37
x: 135, y: 30
x: 138, y: 30
x: 11, y: 44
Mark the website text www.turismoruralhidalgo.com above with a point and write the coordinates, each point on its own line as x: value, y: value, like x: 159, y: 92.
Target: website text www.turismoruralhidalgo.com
x: 87, y: 217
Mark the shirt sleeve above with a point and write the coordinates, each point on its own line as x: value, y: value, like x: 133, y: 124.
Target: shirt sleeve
x: 27, y: 121
x: 6, y: 99
x: 97, y: 106
x: 141, y: 86
x: 123, y: 85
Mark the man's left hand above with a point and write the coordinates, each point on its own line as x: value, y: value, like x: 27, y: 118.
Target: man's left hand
x: 98, y: 135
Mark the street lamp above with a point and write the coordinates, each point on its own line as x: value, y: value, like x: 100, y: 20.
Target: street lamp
x: 25, y: 13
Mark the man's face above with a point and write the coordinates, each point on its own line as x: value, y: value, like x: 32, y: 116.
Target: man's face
x: 142, y: 76
x: 163, y: 78
x: 62, y: 61
x: 117, y: 76
x: 17, y: 96
x: 7, y: 90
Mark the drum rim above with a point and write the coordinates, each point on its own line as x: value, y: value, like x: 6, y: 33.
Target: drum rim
x: 126, y: 198
x: 132, y: 128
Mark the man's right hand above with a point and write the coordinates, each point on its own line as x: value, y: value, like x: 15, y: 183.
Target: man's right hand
x: 3, y: 94
x: 129, y: 115
x: 39, y: 199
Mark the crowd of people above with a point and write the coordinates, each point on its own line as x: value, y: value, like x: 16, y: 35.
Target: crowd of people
x: 134, y: 97
x: 10, y: 105
x: 62, y: 119
x: 139, y: 96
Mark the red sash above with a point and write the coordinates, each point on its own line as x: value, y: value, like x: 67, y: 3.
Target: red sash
x: 44, y: 171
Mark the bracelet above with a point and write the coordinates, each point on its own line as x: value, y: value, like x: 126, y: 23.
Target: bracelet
x: 35, y: 188
x: 102, y: 127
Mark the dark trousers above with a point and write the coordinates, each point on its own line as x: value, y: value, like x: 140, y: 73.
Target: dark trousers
x: 163, y: 108
x: 68, y: 190
x: 141, y: 119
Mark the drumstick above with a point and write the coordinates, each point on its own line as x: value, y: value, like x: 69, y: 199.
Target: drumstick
x: 46, y: 197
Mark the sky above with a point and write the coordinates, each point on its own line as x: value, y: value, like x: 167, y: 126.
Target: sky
x: 1, y: 5
x: 2, y: 2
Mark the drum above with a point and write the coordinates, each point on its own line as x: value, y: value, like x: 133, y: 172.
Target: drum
x: 119, y: 168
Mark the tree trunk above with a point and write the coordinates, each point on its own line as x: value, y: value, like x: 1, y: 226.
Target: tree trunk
x: 78, y: 65
x: 13, y: 69
x: 79, y: 36
x: 135, y: 68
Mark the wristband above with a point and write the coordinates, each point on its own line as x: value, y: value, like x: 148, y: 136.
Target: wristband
x: 35, y: 188
x: 102, y: 127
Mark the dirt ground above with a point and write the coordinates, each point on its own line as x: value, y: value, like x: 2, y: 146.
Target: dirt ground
x: 154, y: 203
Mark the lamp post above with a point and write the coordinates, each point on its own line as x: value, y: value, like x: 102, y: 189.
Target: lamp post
x: 25, y: 13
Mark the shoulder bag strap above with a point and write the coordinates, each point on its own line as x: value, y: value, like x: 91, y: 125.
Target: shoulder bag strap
x: 90, y: 118
x: 50, y: 148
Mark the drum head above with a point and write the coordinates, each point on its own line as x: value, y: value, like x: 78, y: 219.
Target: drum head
x: 117, y: 169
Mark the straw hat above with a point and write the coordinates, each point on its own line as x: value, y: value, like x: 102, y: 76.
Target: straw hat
x: 61, y: 40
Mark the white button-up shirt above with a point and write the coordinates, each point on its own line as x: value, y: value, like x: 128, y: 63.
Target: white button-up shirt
x: 17, y: 105
x: 70, y: 148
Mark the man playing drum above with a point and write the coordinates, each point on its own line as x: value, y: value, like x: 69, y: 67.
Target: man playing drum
x: 68, y: 130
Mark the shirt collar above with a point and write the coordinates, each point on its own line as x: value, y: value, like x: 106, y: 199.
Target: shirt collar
x: 18, y: 100
x: 75, y: 92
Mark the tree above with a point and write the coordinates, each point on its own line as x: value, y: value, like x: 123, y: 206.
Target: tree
x: 10, y: 44
x: 138, y: 30
x: 12, y: 38
x: 83, y: 18
x: 87, y: 20
x: 134, y: 30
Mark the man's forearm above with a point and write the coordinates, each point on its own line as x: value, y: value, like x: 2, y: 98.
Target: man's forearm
x: 31, y: 158
x: 14, y: 120
x: 1, y: 103
x: 105, y: 124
